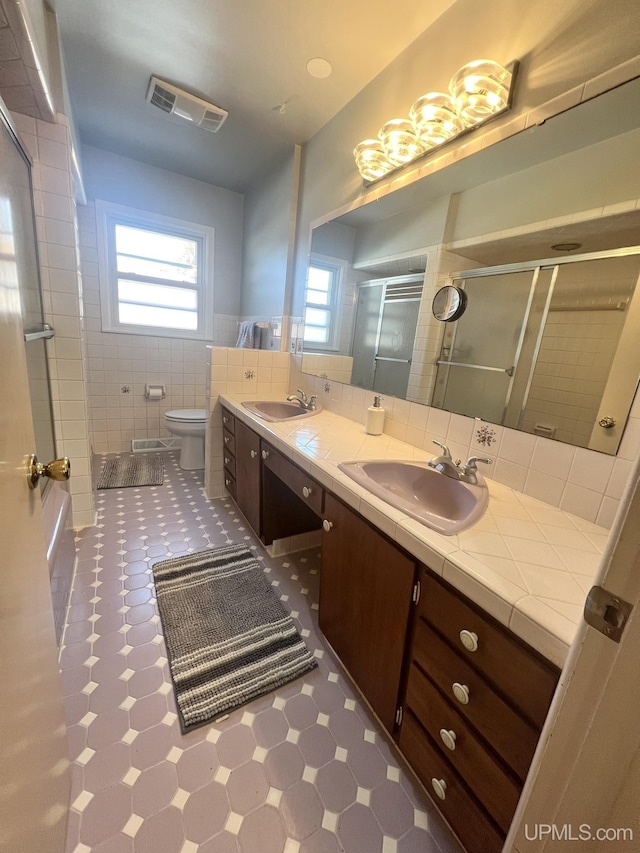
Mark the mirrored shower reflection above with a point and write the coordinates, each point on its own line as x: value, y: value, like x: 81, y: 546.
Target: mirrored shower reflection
x: 385, y: 332
x: 548, y: 350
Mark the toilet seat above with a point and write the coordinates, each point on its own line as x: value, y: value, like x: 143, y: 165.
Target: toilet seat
x: 187, y: 415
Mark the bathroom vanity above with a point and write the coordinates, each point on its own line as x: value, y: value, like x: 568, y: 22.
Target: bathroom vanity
x: 459, y: 666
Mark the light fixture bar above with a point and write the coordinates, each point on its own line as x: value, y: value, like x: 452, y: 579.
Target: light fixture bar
x: 478, y: 92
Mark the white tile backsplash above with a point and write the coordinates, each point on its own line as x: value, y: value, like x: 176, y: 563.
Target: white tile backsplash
x: 583, y: 482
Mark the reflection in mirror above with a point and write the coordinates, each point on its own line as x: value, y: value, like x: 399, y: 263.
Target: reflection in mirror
x: 546, y: 347
x: 449, y: 303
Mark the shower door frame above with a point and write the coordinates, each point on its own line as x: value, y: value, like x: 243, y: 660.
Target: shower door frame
x: 537, y: 266
x: 384, y: 282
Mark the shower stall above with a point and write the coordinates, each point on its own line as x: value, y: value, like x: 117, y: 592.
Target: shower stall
x: 384, y: 333
x: 543, y: 348
x: 19, y: 258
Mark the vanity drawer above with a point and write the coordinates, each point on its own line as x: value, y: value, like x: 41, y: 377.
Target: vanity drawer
x: 228, y: 442
x: 468, y: 820
x: 516, y: 671
x: 230, y: 485
x: 509, y: 734
x: 228, y: 421
x: 229, y: 463
x: 497, y: 790
x: 304, y: 486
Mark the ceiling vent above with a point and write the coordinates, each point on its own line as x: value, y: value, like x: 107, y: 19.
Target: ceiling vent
x: 176, y: 102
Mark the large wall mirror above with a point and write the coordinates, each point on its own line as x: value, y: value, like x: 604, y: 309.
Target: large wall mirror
x: 545, y: 346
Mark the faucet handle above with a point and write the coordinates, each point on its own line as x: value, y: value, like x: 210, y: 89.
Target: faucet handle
x: 470, y: 464
x: 445, y: 449
x: 302, y: 394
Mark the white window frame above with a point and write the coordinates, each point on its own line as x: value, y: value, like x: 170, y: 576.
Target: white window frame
x: 337, y: 266
x: 108, y: 215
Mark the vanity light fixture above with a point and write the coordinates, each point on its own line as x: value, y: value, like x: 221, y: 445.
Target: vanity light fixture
x: 478, y: 91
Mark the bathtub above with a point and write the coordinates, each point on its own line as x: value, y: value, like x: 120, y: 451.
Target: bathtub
x: 61, y: 549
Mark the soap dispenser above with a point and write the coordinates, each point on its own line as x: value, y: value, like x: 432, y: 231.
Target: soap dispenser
x: 375, y: 417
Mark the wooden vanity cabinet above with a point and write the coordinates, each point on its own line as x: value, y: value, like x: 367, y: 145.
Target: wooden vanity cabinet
x: 277, y: 498
x: 229, y: 451
x: 248, y: 480
x: 366, y: 587
x: 292, y: 501
x: 464, y: 698
x: 475, y: 702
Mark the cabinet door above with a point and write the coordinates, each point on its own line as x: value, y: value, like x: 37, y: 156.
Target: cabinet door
x: 365, y: 597
x: 248, y: 474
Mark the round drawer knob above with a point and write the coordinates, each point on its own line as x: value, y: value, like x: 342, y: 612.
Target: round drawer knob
x: 440, y: 787
x: 227, y: 460
x: 225, y: 420
x: 448, y: 737
x: 461, y: 692
x: 265, y: 454
x: 227, y: 482
x: 226, y: 439
x: 327, y: 525
x: 306, y: 491
x: 469, y: 640
x: 254, y: 453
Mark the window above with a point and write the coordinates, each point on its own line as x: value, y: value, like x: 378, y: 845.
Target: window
x: 155, y: 273
x: 322, y: 300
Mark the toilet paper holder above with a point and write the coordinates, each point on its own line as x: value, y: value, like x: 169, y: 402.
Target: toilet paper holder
x: 155, y: 392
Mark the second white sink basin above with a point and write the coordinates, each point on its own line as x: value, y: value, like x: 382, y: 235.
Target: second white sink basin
x: 440, y: 502
x: 279, y: 410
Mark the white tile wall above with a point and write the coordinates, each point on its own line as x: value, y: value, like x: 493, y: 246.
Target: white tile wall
x: 327, y: 366
x: 263, y: 373
x: 578, y: 348
x: 50, y: 147
x: 119, y: 366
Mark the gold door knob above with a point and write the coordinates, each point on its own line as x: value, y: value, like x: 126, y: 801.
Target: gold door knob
x: 59, y: 469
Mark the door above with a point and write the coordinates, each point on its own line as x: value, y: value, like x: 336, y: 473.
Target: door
x: 365, y: 598
x: 33, y: 748
x: 248, y: 474
x: 584, y: 776
x: 395, y: 345
x: 480, y: 351
x: 365, y: 334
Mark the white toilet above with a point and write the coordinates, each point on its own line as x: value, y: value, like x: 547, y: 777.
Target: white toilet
x: 190, y: 425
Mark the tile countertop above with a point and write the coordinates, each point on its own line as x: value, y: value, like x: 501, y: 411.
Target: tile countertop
x: 528, y: 564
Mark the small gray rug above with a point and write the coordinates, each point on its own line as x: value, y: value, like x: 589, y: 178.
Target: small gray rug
x: 124, y: 472
x: 228, y: 637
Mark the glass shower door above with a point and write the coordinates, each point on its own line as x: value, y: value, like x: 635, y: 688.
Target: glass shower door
x: 395, y: 347
x: 19, y: 260
x: 480, y: 351
x: 365, y: 337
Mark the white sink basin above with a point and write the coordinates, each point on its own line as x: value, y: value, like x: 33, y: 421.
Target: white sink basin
x: 276, y: 410
x: 440, y: 502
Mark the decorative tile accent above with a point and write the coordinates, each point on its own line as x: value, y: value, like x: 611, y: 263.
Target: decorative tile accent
x: 485, y: 435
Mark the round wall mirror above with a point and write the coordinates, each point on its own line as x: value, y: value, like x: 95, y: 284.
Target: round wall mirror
x: 449, y: 303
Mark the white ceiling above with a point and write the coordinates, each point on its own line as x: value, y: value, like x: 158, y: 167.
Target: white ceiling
x: 247, y: 56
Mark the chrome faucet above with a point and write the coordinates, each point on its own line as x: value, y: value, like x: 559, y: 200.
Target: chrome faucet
x: 307, y: 403
x: 444, y: 463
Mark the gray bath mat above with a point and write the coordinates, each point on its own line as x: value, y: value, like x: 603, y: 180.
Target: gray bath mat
x: 125, y: 472
x: 228, y: 637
